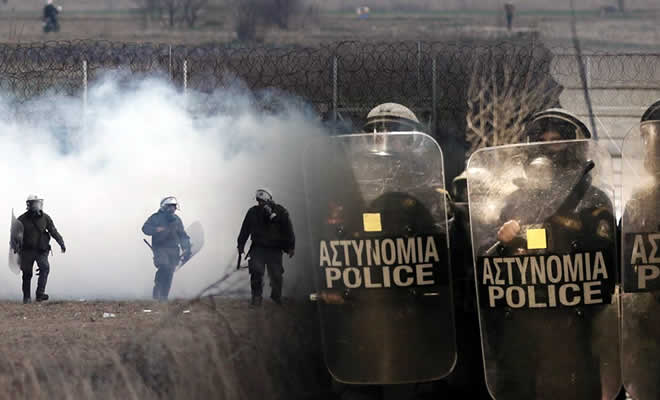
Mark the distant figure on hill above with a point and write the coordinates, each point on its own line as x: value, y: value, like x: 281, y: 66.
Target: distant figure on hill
x: 51, y: 11
x: 509, y: 9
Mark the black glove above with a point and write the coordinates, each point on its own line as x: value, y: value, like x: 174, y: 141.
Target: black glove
x: 63, y: 248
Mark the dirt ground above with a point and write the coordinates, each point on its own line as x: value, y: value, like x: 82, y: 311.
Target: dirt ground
x: 633, y: 31
x: 59, y: 325
x: 212, y: 348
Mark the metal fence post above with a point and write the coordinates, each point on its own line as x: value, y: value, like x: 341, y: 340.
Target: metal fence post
x: 169, y: 68
x: 334, y: 89
x: 419, y: 69
x: 587, y: 67
x: 185, y: 76
x: 434, y: 94
x: 84, y: 93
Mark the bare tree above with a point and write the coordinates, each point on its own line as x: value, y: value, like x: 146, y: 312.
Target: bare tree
x: 149, y: 10
x: 282, y: 10
x: 171, y: 7
x: 247, y: 14
x: 178, y: 12
x: 253, y: 14
x: 191, y: 11
x: 310, y: 16
x: 501, y: 98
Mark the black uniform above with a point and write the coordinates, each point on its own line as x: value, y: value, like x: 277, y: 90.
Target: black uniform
x: 38, y: 229
x: 165, y: 246
x: 270, y: 237
x: 467, y: 378
x: 50, y: 18
x: 508, y: 10
x: 640, y: 326
x: 555, y: 335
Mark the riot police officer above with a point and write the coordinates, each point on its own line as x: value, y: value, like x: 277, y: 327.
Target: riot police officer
x: 38, y: 229
x: 467, y: 378
x: 581, y: 219
x: 269, y: 226
x: 389, y: 334
x: 642, y: 209
x: 640, y: 270
x: 170, y: 244
x: 549, y: 167
x: 50, y: 18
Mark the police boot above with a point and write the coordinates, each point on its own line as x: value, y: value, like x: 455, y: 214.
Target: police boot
x: 27, y: 300
x: 256, y: 301
x: 42, y: 297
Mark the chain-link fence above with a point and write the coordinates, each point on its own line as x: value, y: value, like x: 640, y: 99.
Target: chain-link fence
x: 339, y: 78
x: 468, y: 93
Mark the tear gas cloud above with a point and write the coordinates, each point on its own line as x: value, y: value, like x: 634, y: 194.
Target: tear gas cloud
x: 103, y: 172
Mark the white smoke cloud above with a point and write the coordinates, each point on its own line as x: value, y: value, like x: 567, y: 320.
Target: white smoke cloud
x: 101, y: 177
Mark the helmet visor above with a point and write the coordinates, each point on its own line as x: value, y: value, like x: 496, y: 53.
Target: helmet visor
x: 539, y: 130
x: 390, y: 125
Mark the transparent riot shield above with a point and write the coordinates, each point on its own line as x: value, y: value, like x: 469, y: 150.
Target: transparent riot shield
x: 543, y: 233
x: 15, y: 244
x: 640, y: 267
x: 377, y: 216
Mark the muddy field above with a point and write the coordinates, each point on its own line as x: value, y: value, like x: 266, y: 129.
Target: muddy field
x: 633, y: 31
x: 211, y: 348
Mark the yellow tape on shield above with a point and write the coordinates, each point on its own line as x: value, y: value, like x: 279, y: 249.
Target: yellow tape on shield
x: 371, y: 222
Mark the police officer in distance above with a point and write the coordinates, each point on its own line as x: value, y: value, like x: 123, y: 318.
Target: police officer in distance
x: 170, y: 244
x: 38, y: 229
x: 269, y: 226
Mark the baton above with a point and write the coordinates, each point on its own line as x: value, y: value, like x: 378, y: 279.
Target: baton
x: 147, y: 243
x: 587, y: 168
x: 238, y: 264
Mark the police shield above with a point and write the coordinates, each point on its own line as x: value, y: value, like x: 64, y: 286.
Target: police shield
x: 15, y: 243
x: 543, y: 234
x: 377, y: 216
x: 640, y: 266
x: 196, y: 233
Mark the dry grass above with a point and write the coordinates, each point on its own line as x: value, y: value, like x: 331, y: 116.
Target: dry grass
x: 321, y: 22
x: 221, y: 349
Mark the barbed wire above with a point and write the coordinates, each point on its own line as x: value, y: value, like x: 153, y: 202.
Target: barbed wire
x: 345, y: 78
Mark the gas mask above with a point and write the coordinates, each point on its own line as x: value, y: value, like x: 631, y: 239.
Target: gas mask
x: 35, y: 205
x: 540, y: 173
x: 267, y: 206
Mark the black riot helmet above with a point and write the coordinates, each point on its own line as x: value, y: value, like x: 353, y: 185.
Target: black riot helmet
x: 556, y: 124
x: 650, y: 130
x: 567, y: 125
